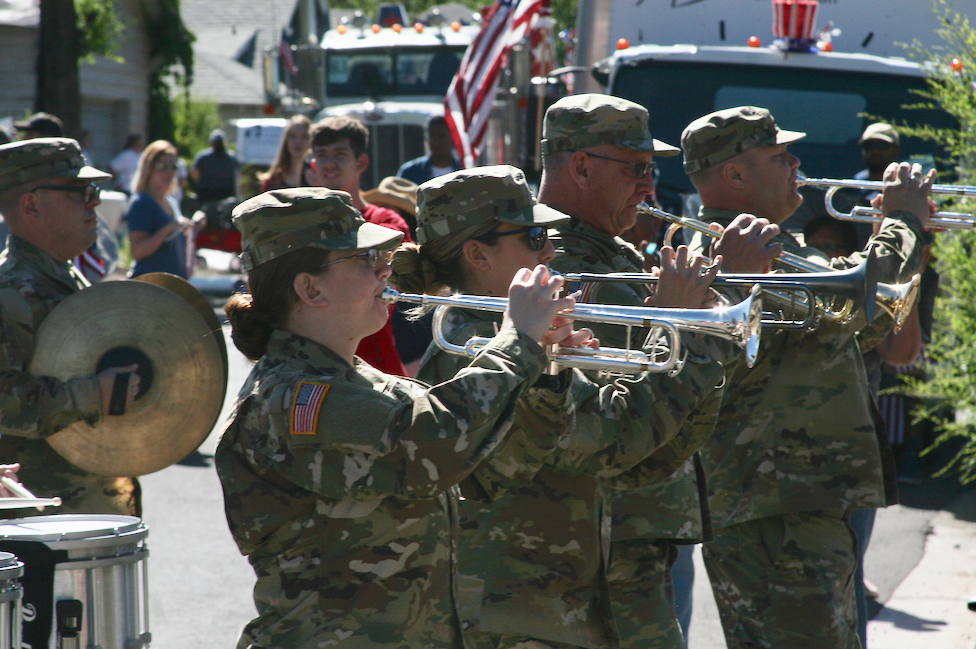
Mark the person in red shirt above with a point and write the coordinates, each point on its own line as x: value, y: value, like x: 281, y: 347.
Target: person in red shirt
x: 339, y: 158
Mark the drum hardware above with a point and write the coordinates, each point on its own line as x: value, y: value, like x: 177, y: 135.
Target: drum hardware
x: 11, y: 601
x: 739, y: 323
x: 865, y: 214
x: 182, y: 371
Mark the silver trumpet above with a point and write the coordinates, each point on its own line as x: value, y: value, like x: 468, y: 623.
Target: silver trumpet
x: 856, y: 284
x: 897, y: 300
x: 740, y: 323
x: 865, y: 214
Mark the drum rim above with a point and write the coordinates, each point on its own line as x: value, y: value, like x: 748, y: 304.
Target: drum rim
x: 124, y: 527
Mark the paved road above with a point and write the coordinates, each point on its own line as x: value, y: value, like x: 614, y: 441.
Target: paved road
x: 201, y: 586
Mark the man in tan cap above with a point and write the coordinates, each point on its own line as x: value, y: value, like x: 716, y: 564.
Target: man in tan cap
x: 48, y: 196
x: 880, y: 146
x: 598, y: 158
x: 796, y: 447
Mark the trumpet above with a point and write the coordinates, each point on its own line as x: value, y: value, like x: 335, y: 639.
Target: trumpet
x: 897, y: 300
x: 865, y: 214
x: 854, y: 284
x: 739, y: 323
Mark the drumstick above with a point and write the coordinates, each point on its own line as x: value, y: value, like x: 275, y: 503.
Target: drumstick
x: 21, y: 491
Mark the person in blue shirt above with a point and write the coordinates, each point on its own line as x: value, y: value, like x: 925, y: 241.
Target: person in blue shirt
x: 441, y: 158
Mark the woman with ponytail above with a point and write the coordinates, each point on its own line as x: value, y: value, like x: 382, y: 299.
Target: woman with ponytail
x: 533, y: 541
x: 338, y: 479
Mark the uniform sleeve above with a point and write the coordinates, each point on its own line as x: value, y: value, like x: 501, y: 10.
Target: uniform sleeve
x: 36, y: 406
x: 369, y: 443
x: 543, y: 416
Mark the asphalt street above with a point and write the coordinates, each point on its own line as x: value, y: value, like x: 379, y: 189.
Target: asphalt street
x: 201, y: 586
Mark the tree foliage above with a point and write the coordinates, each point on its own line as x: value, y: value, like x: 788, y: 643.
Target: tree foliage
x: 170, y: 53
x: 100, y: 27
x: 950, y: 389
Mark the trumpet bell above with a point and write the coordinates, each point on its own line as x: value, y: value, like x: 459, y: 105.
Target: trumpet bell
x: 899, y: 299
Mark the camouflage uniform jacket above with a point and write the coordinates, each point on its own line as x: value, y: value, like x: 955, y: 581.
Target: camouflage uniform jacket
x: 339, y: 487
x: 532, y: 562
x: 32, y: 408
x: 670, y: 508
x: 799, y: 430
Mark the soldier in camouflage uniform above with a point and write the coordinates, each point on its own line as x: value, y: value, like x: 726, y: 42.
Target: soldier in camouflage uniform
x: 48, y: 200
x: 339, y: 480
x: 598, y: 158
x: 798, y: 443
x: 532, y: 562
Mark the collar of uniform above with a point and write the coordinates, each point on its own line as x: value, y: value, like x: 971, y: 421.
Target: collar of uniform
x: 315, y: 355
x: 590, y: 231
x: 63, y: 271
x: 725, y: 217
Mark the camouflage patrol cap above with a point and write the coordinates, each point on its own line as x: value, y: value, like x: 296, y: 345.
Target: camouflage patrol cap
x: 275, y: 223
x: 468, y: 197
x: 724, y: 134
x: 581, y: 121
x: 29, y: 160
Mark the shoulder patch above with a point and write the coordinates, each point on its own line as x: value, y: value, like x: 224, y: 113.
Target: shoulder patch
x: 305, y: 409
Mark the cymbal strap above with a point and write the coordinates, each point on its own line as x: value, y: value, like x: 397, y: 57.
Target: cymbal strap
x: 120, y: 390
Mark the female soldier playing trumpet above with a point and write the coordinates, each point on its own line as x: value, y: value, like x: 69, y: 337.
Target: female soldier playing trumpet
x: 531, y: 562
x: 338, y: 479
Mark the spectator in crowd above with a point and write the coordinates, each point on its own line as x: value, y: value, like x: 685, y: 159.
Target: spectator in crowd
x: 124, y: 165
x: 286, y: 170
x: 86, y: 142
x: 158, y: 231
x: 880, y: 146
x: 441, y: 157
x: 339, y: 159
x: 40, y: 125
x: 214, y: 170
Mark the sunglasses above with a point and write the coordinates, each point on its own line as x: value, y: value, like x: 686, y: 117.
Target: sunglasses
x: 374, y: 257
x: 640, y: 169
x: 89, y: 193
x: 164, y: 166
x: 875, y: 145
x: 536, y: 234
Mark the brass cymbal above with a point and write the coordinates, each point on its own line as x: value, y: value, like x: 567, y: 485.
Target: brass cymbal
x: 181, y: 372
x: 195, y: 298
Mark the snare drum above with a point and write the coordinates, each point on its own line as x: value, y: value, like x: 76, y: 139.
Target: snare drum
x: 11, y: 594
x: 89, y: 572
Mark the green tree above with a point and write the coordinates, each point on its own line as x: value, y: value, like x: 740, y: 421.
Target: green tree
x: 950, y: 390
x: 193, y: 121
x: 171, y: 53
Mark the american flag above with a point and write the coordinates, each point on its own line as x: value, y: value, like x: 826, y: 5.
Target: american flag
x: 467, y: 105
x: 284, y: 49
x: 305, y: 412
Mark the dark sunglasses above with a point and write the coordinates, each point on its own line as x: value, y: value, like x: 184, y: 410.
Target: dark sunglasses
x: 640, y: 169
x: 89, y: 193
x: 536, y: 234
x: 875, y: 145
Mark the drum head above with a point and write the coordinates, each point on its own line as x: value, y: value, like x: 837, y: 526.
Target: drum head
x: 181, y: 370
x: 62, y: 528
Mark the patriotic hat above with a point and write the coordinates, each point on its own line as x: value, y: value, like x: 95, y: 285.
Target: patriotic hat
x: 29, y: 160
x: 275, y: 223
x: 724, y: 134
x: 468, y: 197
x: 581, y: 121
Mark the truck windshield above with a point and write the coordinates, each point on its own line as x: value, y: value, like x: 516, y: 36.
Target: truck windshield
x: 832, y: 107
x: 389, y: 73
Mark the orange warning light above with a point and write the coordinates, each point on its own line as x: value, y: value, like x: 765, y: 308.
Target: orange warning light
x: 754, y: 42
x: 623, y: 44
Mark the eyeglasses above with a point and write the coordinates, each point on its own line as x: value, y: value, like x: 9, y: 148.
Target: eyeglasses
x: 640, y: 169
x: 164, y: 166
x: 374, y: 257
x: 536, y: 234
x: 89, y: 193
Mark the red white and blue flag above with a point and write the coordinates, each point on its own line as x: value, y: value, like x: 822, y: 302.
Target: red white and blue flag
x: 305, y: 411
x: 467, y: 106
x: 284, y: 50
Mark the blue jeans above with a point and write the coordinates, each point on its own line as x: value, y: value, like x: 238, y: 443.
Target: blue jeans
x: 862, y: 522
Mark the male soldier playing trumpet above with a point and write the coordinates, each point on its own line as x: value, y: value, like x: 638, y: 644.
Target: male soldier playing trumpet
x: 597, y: 168
x: 797, y: 446
x: 48, y: 198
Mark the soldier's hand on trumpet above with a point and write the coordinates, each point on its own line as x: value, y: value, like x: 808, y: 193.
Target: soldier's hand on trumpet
x: 532, y: 307
x: 746, y: 244
x: 906, y: 189
x: 683, y: 281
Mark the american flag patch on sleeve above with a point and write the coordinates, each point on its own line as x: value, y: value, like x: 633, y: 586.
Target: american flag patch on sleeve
x: 305, y: 410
